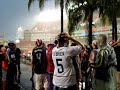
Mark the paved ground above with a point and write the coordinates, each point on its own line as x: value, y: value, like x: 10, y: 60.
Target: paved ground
x: 25, y: 83
x: 25, y: 76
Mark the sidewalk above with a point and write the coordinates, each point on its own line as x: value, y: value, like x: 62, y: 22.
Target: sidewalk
x: 24, y: 80
x: 24, y: 61
x: 7, y: 85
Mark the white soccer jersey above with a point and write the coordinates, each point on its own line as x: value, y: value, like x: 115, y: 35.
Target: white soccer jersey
x: 64, y: 73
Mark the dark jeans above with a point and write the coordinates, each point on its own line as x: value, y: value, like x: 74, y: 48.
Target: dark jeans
x: 11, y: 72
x: 74, y: 87
x: 50, y: 78
x: 18, y: 66
x: 0, y: 72
x: 33, y: 70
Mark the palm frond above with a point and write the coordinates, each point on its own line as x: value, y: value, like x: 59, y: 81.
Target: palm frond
x: 57, y: 2
x: 86, y: 13
x: 107, y: 10
x: 29, y: 3
x: 101, y: 11
x: 75, y: 17
x: 41, y: 3
x: 69, y: 3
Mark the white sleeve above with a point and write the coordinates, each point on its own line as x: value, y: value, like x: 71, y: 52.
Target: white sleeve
x: 46, y: 52
x: 113, y: 58
x: 74, y: 50
x: 8, y: 51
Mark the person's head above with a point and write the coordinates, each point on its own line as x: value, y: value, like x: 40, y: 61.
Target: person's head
x: 38, y: 43
x: 94, y: 44
x: 62, y: 41
x: 102, y: 39
x: 1, y: 47
x: 11, y: 45
x: 50, y: 46
x: 43, y: 44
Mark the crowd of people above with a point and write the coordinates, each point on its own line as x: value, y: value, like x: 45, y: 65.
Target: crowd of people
x: 61, y: 66
x: 67, y: 64
x: 10, y: 62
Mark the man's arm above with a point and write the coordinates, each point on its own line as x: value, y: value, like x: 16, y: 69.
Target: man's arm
x: 115, y: 43
x: 72, y: 39
x: 75, y: 41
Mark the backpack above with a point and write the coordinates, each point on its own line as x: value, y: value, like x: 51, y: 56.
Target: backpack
x: 101, y: 65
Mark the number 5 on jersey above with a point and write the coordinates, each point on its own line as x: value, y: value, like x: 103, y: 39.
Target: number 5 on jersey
x: 60, y: 66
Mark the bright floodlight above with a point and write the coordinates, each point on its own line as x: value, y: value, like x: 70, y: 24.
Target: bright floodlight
x: 20, y: 29
x: 49, y: 15
x: 17, y: 41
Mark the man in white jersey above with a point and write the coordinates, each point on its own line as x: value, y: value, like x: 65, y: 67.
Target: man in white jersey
x: 64, y: 77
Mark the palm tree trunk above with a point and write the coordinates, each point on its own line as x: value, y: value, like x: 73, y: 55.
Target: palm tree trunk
x: 115, y: 26
x: 113, y: 30
x: 90, y: 27
x: 62, y: 7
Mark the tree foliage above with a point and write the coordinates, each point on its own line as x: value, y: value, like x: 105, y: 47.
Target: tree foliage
x: 41, y: 3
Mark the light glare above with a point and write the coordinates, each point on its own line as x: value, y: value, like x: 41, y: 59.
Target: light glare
x: 49, y: 15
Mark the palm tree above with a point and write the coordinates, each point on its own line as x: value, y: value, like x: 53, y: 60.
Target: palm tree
x: 110, y: 9
x: 41, y: 5
x: 86, y: 7
x: 62, y: 7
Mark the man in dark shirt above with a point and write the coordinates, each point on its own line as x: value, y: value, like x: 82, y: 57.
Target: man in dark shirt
x: 12, y: 69
x: 40, y: 62
x: 18, y: 52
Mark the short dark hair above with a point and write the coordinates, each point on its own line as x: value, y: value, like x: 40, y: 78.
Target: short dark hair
x: 60, y: 38
x: 1, y: 46
x: 55, y: 42
x: 49, y: 45
x: 11, y: 44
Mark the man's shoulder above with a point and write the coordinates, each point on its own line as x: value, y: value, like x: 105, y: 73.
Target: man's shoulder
x: 74, y: 47
x: 35, y: 48
x: 8, y: 49
x: 18, y: 50
x: 44, y: 48
x: 55, y: 48
x: 39, y: 49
